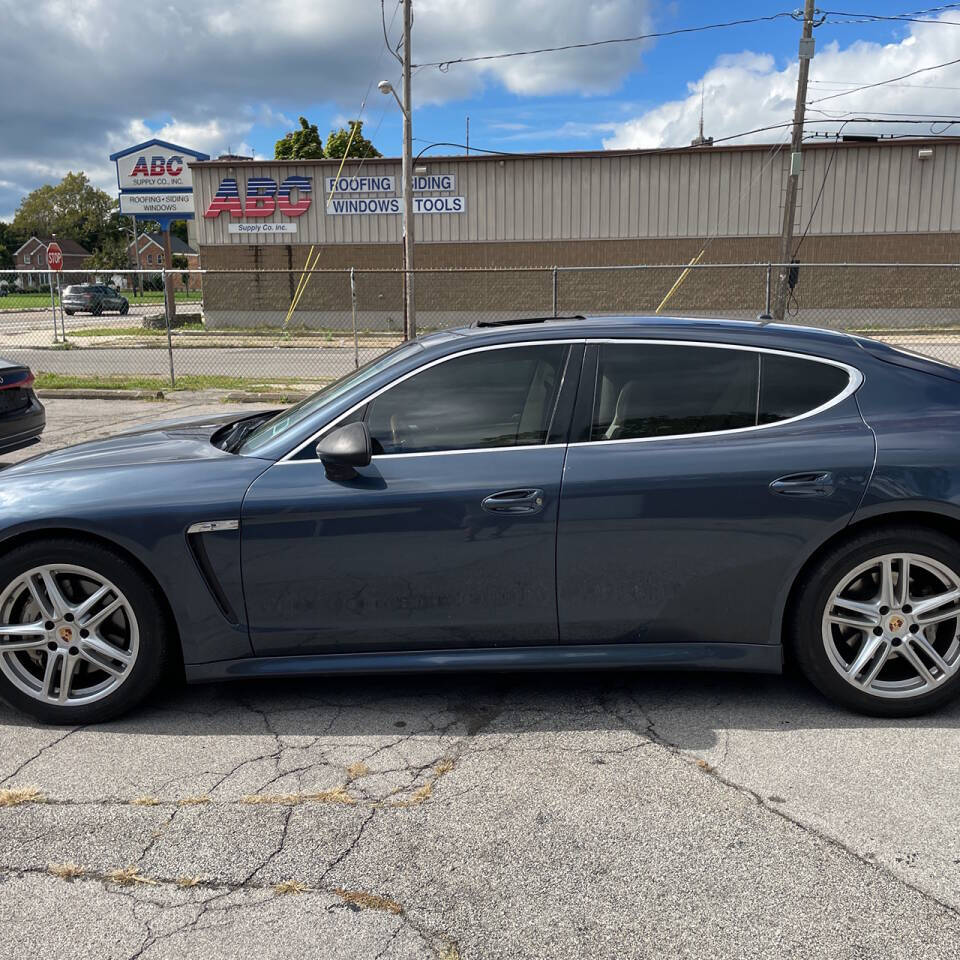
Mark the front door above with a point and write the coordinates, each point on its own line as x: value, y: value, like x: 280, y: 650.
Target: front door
x: 447, y: 539
x: 702, y: 478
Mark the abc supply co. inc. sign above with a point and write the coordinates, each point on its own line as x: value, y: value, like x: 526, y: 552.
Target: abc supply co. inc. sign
x: 155, y: 182
x: 290, y: 198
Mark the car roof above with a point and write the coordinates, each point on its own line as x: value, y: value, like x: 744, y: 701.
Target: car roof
x: 784, y: 336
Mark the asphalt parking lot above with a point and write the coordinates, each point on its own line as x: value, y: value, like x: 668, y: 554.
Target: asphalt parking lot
x: 504, y: 816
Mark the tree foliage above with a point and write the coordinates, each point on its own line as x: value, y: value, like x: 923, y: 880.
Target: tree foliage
x: 302, y: 144
x: 74, y: 208
x: 360, y: 146
x: 112, y: 254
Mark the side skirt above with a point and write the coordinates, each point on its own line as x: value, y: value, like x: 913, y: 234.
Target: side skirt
x: 748, y: 657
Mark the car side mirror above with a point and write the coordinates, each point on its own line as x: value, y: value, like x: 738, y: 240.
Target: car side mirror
x: 345, y: 449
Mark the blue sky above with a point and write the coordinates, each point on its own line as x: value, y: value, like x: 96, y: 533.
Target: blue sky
x: 236, y: 74
x: 502, y: 120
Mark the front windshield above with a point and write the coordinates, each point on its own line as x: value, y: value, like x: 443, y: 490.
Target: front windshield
x: 300, y: 411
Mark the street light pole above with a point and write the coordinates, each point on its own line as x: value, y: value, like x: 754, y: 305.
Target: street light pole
x: 410, y: 316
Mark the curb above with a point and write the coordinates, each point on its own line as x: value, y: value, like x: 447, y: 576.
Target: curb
x: 265, y: 397
x: 81, y: 394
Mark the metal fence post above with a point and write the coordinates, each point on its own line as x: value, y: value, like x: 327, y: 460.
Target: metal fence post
x: 167, y: 294
x: 554, y: 291
x: 766, y: 302
x: 53, y: 306
x: 353, y: 310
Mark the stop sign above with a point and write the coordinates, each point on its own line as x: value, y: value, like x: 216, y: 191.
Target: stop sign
x: 54, y: 256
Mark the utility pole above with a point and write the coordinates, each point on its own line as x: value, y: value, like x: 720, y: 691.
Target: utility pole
x: 410, y: 316
x: 796, y: 162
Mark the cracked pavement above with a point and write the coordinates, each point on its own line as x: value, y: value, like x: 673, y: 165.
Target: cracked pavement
x: 487, y: 816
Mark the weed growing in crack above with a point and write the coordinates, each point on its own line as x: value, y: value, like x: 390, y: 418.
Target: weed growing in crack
x: 357, y: 770
x: 65, y: 871
x: 359, y: 900
x: 129, y: 877
x: 291, y: 886
x: 187, y: 881
x: 145, y: 801
x: 335, y: 795
x: 16, y: 796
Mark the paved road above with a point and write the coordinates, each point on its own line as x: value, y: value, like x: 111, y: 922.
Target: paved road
x: 510, y: 816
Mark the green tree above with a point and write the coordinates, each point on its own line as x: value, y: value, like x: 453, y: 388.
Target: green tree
x: 9, y: 241
x: 111, y: 255
x: 180, y: 262
x: 302, y: 144
x: 74, y: 209
x: 360, y: 146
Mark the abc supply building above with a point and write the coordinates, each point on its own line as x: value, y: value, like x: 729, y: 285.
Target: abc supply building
x: 882, y: 202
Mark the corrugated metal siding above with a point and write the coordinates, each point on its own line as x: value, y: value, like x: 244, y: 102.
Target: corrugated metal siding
x: 873, y: 188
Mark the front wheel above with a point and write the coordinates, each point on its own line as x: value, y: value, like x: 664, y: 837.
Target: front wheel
x: 69, y: 313
x: 124, y: 308
x: 877, y: 624
x: 83, y: 635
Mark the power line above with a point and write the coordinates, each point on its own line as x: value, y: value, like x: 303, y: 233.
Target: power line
x: 881, y: 83
x: 444, y: 65
x: 915, y: 16
x: 912, y: 86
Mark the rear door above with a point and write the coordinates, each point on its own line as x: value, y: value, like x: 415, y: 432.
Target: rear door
x: 700, y: 477
x: 447, y: 539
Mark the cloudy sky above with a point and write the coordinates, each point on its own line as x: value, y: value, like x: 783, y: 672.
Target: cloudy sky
x: 83, y: 78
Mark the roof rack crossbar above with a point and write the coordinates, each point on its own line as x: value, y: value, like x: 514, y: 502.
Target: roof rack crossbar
x: 522, y: 320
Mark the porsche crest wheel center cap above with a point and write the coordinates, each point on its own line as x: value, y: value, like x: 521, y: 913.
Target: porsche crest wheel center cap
x: 895, y: 623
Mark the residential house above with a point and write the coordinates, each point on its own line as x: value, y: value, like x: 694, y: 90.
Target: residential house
x: 151, y: 257
x: 30, y: 260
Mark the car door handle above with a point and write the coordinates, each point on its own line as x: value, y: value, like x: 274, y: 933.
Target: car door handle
x: 817, y: 483
x: 514, y: 501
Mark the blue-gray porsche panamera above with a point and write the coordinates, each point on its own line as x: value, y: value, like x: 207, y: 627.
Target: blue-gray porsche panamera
x: 532, y: 495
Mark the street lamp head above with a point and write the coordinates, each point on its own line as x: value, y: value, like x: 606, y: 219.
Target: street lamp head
x: 385, y: 86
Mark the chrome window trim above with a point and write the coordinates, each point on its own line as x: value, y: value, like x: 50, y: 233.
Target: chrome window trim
x: 853, y: 384
x: 287, y: 460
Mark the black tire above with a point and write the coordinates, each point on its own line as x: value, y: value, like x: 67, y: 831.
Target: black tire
x: 97, y: 310
x: 156, y: 644
x: 69, y: 313
x: 124, y: 308
x: 804, y: 632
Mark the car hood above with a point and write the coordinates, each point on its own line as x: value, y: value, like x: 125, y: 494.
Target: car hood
x: 163, y: 442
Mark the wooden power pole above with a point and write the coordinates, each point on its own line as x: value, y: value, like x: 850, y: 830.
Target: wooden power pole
x: 410, y: 313
x: 796, y: 163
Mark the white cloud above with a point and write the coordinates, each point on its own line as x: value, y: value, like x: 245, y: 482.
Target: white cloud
x: 747, y: 90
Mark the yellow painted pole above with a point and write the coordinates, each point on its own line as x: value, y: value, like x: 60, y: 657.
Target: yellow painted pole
x: 680, y: 279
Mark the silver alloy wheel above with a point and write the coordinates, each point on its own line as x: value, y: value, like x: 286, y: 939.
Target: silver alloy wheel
x: 68, y: 636
x: 891, y: 628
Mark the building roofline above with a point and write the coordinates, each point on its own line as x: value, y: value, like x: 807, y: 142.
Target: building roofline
x: 819, y: 144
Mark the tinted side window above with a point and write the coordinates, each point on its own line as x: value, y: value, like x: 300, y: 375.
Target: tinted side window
x: 490, y: 398
x: 653, y: 390
x: 790, y: 386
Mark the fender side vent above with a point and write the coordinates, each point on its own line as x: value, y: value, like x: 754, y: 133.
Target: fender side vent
x: 199, y: 551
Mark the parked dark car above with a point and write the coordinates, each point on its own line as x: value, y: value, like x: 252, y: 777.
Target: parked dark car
x: 618, y: 493
x: 93, y: 298
x: 22, y: 417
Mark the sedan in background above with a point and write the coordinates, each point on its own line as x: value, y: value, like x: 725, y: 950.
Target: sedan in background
x: 93, y: 298
x: 22, y: 417
x: 541, y: 494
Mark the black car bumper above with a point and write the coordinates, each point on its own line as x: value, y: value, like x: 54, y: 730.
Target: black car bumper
x: 22, y: 419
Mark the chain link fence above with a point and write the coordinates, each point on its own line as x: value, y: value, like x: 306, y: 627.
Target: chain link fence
x: 289, y: 332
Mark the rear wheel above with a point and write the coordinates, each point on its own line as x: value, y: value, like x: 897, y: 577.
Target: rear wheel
x: 877, y: 624
x: 124, y: 308
x: 69, y: 313
x: 83, y: 636
x: 97, y: 310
